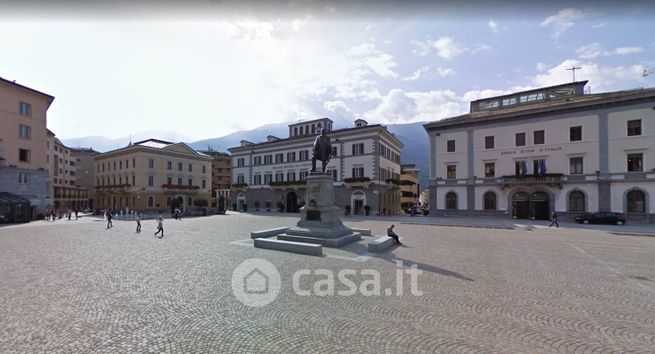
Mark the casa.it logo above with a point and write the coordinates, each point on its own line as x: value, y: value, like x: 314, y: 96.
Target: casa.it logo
x: 256, y: 282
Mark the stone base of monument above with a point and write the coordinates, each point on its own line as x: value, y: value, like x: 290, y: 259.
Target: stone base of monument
x: 320, y: 221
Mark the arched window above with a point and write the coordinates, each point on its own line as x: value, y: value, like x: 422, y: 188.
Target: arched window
x: 490, y: 201
x: 451, y: 201
x: 576, y: 201
x: 151, y: 202
x: 636, y: 201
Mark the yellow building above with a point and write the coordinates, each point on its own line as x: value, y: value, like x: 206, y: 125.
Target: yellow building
x: 152, y: 175
x: 409, y: 186
x: 65, y: 190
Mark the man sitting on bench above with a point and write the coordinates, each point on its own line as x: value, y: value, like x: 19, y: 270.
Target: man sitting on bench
x: 392, y: 234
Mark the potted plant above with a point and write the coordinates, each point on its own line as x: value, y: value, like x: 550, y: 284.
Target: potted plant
x: 367, y: 210
x: 268, y: 205
x: 280, y: 206
x: 256, y: 205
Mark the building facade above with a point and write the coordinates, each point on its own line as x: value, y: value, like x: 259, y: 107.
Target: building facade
x: 556, y: 148
x: 66, y: 193
x: 152, y: 176
x: 409, y: 186
x: 85, y: 171
x: 23, y: 136
x: 365, y: 165
x: 221, y: 174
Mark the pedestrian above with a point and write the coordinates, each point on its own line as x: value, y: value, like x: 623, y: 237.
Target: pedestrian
x: 109, y: 216
x: 138, y: 223
x: 175, y: 212
x: 553, y: 220
x: 160, y: 227
x: 69, y: 214
x: 76, y: 211
x: 392, y: 234
x: 52, y: 215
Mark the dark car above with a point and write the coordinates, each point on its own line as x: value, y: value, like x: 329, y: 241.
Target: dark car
x: 2, y: 218
x: 601, y: 217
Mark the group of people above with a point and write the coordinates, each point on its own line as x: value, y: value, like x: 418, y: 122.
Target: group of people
x: 160, y: 223
x: 53, y: 216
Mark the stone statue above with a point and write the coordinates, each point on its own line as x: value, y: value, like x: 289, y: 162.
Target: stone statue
x: 322, y: 150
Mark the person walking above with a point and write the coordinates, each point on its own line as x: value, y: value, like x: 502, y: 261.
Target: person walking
x: 160, y: 227
x: 138, y: 223
x: 392, y: 234
x: 553, y: 220
x: 76, y: 214
x: 109, y: 216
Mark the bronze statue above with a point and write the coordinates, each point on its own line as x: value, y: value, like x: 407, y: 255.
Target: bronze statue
x: 322, y: 150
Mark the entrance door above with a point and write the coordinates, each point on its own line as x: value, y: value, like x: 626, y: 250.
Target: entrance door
x: 359, y: 207
x: 539, y: 206
x: 521, y: 205
x: 292, y: 202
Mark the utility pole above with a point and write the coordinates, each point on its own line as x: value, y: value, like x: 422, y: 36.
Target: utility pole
x: 573, y: 69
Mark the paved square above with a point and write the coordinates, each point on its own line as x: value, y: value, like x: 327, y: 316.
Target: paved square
x: 75, y: 287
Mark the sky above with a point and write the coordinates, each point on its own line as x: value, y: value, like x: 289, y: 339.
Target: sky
x: 208, y: 68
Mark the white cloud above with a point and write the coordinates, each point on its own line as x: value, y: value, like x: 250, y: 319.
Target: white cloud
x: 594, y: 50
x: 445, y: 47
x: 563, y: 20
x: 542, y: 66
x: 416, y: 75
x: 399, y: 106
x: 445, y: 72
x: 493, y: 25
x: 601, y: 78
x: 628, y: 50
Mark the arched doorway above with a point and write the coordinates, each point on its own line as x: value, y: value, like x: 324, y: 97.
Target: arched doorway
x: 241, y: 201
x: 535, y: 206
x: 539, y: 206
x: 521, y: 205
x: 358, y: 201
x: 292, y: 202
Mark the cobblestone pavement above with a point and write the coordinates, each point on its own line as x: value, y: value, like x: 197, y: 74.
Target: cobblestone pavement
x: 72, y: 286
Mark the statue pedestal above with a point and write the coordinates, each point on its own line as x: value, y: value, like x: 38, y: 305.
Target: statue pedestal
x: 320, y: 220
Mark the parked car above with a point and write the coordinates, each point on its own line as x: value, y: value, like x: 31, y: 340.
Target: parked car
x: 601, y: 217
x: 2, y: 218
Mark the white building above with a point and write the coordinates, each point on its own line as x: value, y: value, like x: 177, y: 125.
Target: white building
x: 527, y: 154
x: 365, y: 165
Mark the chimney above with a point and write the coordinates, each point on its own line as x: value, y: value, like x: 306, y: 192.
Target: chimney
x: 272, y: 138
x: 246, y: 143
x: 360, y: 123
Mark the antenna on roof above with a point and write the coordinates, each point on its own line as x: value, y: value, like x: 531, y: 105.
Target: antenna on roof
x: 574, y: 68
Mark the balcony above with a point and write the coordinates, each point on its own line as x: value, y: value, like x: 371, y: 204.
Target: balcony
x: 282, y: 185
x: 392, y: 184
x: 356, y: 182
x: 113, y: 188
x: 551, y: 179
x: 179, y: 188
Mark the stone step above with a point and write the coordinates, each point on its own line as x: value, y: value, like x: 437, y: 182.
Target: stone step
x: 364, y: 232
x: 327, y: 242
x: 380, y: 244
x: 268, y: 233
x: 289, y: 246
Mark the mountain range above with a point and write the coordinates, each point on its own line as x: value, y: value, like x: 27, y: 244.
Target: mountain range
x: 412, y: 135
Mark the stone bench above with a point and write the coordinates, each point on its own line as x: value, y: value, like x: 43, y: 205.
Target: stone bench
x: 380, y: 244
x: 363, y: 232
x: 268, y: 233
x: 311, y: 249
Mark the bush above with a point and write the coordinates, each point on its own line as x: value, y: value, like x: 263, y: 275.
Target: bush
x: 221, y: 203
x: 426, y: 212
x: 268, y: 205
x: 280, y: 206
x: 257, y: 205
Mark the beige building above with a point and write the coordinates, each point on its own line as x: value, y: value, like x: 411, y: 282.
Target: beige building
x: 85, y: 170
x: 65, y: 191
x: 152, y: 175
x: 409, y: 186
x: 23, y: 136
x: 221, y: 172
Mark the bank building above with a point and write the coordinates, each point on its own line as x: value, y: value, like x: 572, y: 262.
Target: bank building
x: 365, y: 165
x: 559, y: 148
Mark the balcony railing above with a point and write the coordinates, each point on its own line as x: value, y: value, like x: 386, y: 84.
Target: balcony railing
x: 113, y: 187
x: 353, y: 182
x: 548, y: 178
x: 179, y: 187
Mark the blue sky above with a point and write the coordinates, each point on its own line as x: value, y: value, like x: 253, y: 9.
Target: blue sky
x: 205, y: 72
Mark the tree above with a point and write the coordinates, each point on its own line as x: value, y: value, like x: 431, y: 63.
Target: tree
x: 200, y: 203
x: 221, y: 203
